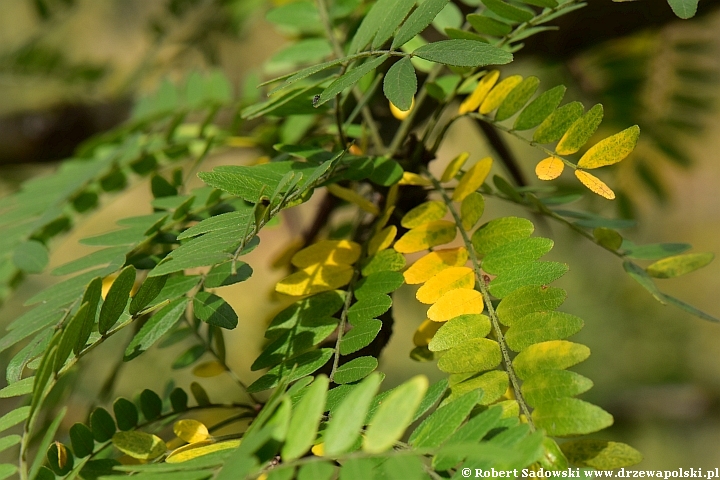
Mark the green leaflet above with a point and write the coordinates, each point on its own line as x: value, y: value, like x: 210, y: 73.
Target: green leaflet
x: 418, y: 21
x: 400, y: 84
x: 536, y: 273
x: 102, y: 425
x: 684, y: 8
x: 304, y: 364
x: 580, y: 131
x: 488, y: 26
x: 369, y: 308
x: 302, y: 15
x: 570, y: 416
x: 360, y: 336
x: 305, y: 420
x: 471, y: 210
x: 214, y: 310
x: 459, y: 330
x: 117, y: 299
x: 222, y: 275
x: 675, y: 266
x: 555, y: 126
x: 424, y: 213
x: 443, y: 422
x: 552, y: 385
x: 14, y: 417
x: 517, y: 98
x: 100, y: 257
x: 377, y: 284
x: 472, y: 356
x: 505, y: 10
x: 639, y: 274
x: 493, y: 384
x: 31, y: 256
x: 540, y: 108
x: 601, y: 454
x: 542, y: 3
x: 653, y: 251
x: 21, y: 387
x: 324, y: 304
x: 463, y: 53
x: 44, y: 444
x: 608, y: 238
x: 500, y: 231
x: 140, y: 445
x: 150, y: 404
x: 611, y: 150
x: 91, y: 297
x: 391, y: 20
x: 552, y: 355
x: 472, y: 432
x: 9, y: 441
x: 126, y: 414
x: 308, y: 333
x: 384, y: 260
x: 369, y: 26
x: 349, y: 79
x: 157, y: 326
x: 540, y: 327
x: 515, y: 253
x: 189, y: 356
x: 70, y: 334
x: 355, y: 370
x: 147, y: 292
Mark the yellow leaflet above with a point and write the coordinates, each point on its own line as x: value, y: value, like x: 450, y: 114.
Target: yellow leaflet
x: 449, y: 279
x: 353, y: 197
x: 246, y: 142
x: 549, y: 169
x: 498, y: 94
x: 315, y: 279
x: 454, y: 167
x: 424, y: 213
x: 410, y: 178
x: 382, y: 240
x: 199, y: 449
x: 595, y: 184
x: 425, y: 332
x: 191, y: 431
x: 454, y: 303
x: 330, y: 252
x: 473, y: 179
x: 318, y: 450
x: 425, y: 236
x: 209, y: 369
x: 611, y: 150
x: 433, y: 263
x: 139, y: 445
x: 472, y: 102
x: 401, y: 114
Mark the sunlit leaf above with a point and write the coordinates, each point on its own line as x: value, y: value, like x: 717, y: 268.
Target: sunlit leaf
x: 433, y: 263
x: 611, y: 150
x: 540, y: 327
x: 459, y: 330
x: 513, y: 254
x: 140, y: 445
x: 424, y: 213
x: 454, y: 167
x: 455, y: 303
x: 554, y: 384
x: 199, y: 449
x: 443, y: 422
x: 315, y: 279
x: 190, y: 430
x: 384, y: 260
x: 425, y: 236
x: 377, y: 284
x: 472, y: 356
x: 472, y: 179
x: 355, y: 370
x: 529, y: 299
x: 471, y: 209
x: 594, y: 184
x: 330, y: 252
x: 552, y: 355
x: 500, y: 231
x: 448, y: 279
x: 549, y: 169
x: 493, y: 384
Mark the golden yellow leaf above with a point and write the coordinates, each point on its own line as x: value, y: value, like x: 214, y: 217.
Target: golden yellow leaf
x: 355, y: 150
x: 199, y: 449
x: 382, y: 240
x: 190, y: 430
x: 433, y: 263
x: 425, y: 332
x: 318, y: 450
x: 454, y: 167
x: 209, y: 369
x: 611, y: 150
x: 549, y: 169
x: 315, y: 279
x: 498, y: 94
x: 410, y: 178
x: 473, y: 179
x: 353, y: 197
x: 454, y: 303
x: 401, y: 114
x: 329, y: 252
x: 424, y: 213
x: 425, y: 236
x: 449, y: 279
x: 472, y: 102
x: 594, y: 184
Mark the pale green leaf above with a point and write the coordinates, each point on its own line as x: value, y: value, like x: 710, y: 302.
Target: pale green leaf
x: 611, y: 150
x: 460, y: 330
x: 654, y: 251
x: 157, y: 326
x: 369, y: 308
x: 140, y: 445
x: 570, y: 416
x: 305, y: 420
x: 580, y: 131
x: 391, y: 20
x: 377, y: 284
x: 472, y: 432
x: 552, y: 355
x: 471, y: 209
x: 424, y: 213
x: 488, y: 26
x: 552, y: 385
x: 671, y: 267
x: 14, y: 417
x: 505, y: 10
x: 608, y: 238
x: 540, y: 327
x: 684, y: 8
x: 303, y: 365
x: 22, y: 387
x: 535, y: 273
x: 360, y: 336
x: 444, y: 421
x: 500, y: 231
x: 31, y: 256
x: 601, y: 454
x: 471, y: 356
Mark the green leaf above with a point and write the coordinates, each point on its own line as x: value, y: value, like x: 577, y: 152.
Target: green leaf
x: 517, y: 98
x: 369, y: 26
x: 500, y: 231
x: 384, y: 260
x: 391, y: 20
x: 611, y: 150
x: 552, y: 355
x: 303, y: 365
x: 22, y: 387
x: 536, y: 273
x: 552, y: 385
x: 126, y: 414
x: 140, y: 445
x: 117, y: 299
x: 82, y: 440
x: 424, y: 213
x: 406, y: 467
x: 360, y: 336
x: 344, y: 427
x: 178, y: 400
x: 49, y: 434
x: 540, y: 108
x: 472, y: 432
x: 540, y: 327
x: 670, y: 300
x: 488, y: 26
x: 472, y: 356
x: 608, y: 238
x: 31, y: 257
x: 369, y: 308
x: 672, y: 267
x: 493, y: 384
x: 157, y: 326
x: 70, y: 336
x: 541, y: 3
x: 418, y: 21
x: 316, y: 471
x: 443, y: 422
x: 570, y: 416
x: 516, y: 253
x: 221, y: 275
x: 14, y: 417
x: 471, y: 209
x: 7, y: 470
x: 305, y: 420
x: 60, y: 459
x: 214, y: 310
x: 355, y: 369
x: 450, y: 19
x: 102, y: 425
x: 505, y: 10
x: 91, y: 297
x: 101, y: 257
x: 308, y: 333
x: 459, y: 330
x: 386, y: 172
x: 199, y: 394
x: 580, y: 131
x: 555, y: 126
x: 377, y: 284
x: 189, y: 356
x: 151, y: 288
x: 302, y: 15
x: 601, y: 454
x: 639, y: 274
x: 463, y: 53
x: 654, y: 251
x: 304, y: 311
x: 348, y: 79
x: 400, y: 84
x: 150, y: 404
x: 684, y: 8
x: 9, y: 441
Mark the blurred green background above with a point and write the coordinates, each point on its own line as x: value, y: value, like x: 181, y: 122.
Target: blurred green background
x: 72, y: 68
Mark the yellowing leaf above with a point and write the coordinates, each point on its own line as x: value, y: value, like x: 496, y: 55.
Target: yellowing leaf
x: 425, y: 332
x: 471, y: 209
x: 449, y: 279
x: 410, y: 178
x: 199, y: 449
x: 315, y: 279
x: 318, y: 450
x: 455, y: 303
x: 472, y: 102
x: 382, y: 240
x: 677, y: 265
x: 595, y: 184
x: 353, y: 197
x: 401, y: 114
x: 433, y: 263
x: 498, y: 94
x: 140, y: 445
x: 454, y: 167
x: 191, y: 431
x: 424, y: 213
x: 209, y: 369
x: 549, y: 169
x: 425, y: 236
x: 330, y: 252
x: 611, y: 150
x: 473, y: 179
x: 580, y: 131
